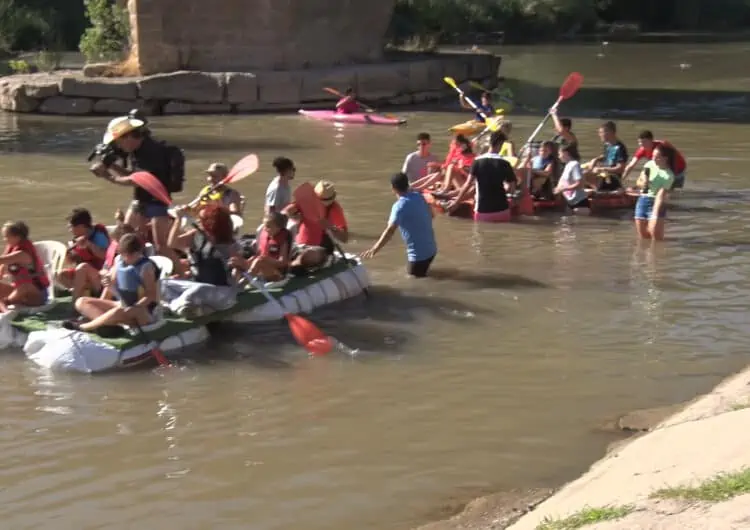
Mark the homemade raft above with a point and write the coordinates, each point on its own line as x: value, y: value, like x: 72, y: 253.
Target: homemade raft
x: 50, y: 346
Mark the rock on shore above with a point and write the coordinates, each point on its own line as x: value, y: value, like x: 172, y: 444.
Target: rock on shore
x: 400, y: 82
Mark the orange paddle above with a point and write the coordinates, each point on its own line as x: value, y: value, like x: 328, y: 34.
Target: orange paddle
x: 364, y: 107
x: 147, y: 181
x: 567, y: 90
x: 307, y: 334
x: 244, y: 168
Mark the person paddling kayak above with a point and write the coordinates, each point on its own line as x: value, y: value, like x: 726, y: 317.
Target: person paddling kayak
x: 348, y: 104
x: 484, y: 106
x: 646, y: 147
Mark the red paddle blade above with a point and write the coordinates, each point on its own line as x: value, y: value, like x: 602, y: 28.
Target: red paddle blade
x: 159, y: 356
x: 308, y: 335
x: 145, y: 180
x: 571, y: 85
x: 309, y: 203
x: 244, y: 168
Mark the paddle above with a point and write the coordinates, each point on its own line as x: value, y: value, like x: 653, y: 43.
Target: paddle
x: 147, y: 181
x: 305, y: 332
x: 313, y: 211
x: 567, y: 90
x: 364, y: 107
x: 242, y: 169
x: 452, y: 82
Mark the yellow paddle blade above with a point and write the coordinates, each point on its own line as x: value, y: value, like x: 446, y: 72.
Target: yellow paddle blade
x: 450, y: 81
x: 499, y: 111
x: 493, y: 124
x: 512, y: 160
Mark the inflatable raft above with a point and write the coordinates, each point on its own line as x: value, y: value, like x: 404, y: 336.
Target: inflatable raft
x: 50, y: 346
x: 363, y: 118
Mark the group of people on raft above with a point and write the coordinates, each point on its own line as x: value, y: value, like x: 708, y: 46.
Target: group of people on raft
x: 552, y: 169
x: 111, y: 278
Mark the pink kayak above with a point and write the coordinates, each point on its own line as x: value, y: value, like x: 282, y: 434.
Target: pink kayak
x: 358, y: 117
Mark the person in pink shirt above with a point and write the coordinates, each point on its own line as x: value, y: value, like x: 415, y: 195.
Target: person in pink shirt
x: 348, y: 104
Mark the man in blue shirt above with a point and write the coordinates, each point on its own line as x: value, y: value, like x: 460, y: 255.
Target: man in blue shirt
x: 413, y: 217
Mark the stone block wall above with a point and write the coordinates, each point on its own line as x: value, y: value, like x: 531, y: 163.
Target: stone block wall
x: 250, y: 35
x: 185, y: 92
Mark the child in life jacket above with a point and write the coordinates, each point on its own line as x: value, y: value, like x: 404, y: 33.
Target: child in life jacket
x: 20, y: 261
x: 273, y: 246
x: 131, y: 292
x: 86, y: 251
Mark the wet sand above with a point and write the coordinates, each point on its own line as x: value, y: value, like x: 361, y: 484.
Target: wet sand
x: 672, y: 446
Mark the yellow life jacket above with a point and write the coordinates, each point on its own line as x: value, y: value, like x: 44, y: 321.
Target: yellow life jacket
x: 216, y: 195
x: 506, y: 149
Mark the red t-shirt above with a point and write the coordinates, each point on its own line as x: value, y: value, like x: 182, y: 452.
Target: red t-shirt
x: 312, y: 233
x: 679, y: 161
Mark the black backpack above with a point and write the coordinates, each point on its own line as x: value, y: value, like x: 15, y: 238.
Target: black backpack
x: 176, y: 161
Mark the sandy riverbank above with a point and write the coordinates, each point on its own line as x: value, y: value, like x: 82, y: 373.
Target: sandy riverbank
x: 708, y: 436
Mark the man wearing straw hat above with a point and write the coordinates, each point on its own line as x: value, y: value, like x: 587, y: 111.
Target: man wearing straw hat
x: 130, y: 135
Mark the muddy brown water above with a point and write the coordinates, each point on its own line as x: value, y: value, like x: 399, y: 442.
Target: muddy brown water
x: 492, y: 375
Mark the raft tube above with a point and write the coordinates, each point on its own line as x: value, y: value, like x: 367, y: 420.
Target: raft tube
x: 54, y: 348
x: 362, y: 118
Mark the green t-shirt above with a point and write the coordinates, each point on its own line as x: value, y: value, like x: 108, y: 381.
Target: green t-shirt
x: 658, y: 178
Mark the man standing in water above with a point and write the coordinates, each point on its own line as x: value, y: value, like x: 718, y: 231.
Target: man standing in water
x: 143, y: 153
x: 417, y: 163
x: 412, y: 215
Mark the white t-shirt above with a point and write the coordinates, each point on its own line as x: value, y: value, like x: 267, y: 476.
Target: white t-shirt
x: 278, y: 195
x: 415, y: 166
x: 572, y: 175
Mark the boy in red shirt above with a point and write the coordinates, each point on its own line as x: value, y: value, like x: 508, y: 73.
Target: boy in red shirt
x: 646, y: 146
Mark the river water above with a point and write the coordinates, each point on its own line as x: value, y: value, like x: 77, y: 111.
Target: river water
x: 494, y: 374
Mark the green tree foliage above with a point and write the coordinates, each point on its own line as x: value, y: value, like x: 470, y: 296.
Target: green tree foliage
x: 109, y: 34
x: 529, y: 20
x: 40, y: 24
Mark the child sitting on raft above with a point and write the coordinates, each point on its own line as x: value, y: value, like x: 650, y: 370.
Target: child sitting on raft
x: 86, y: 254
x: 273, y: 248
x: 28, y: 279
x: 131, y: 292
x: 454, y: 171
x: 209, y: 245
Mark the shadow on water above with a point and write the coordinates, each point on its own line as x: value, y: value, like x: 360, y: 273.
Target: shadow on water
x: 479, y: 280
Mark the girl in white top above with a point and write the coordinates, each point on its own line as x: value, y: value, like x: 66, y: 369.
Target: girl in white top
x: 571, y: 183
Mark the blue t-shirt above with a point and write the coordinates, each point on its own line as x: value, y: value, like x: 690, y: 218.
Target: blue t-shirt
x: 615, y: 153
x: 413, y: 216
x: 487, y: 109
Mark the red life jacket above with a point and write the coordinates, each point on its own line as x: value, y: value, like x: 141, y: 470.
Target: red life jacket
x: 271, y: 246
x: 112, y: 251
x: 84, y: 255
x: 22, y: 274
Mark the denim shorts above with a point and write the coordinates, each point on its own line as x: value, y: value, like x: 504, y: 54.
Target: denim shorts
x: 150, y: 210
x: 679, y: 181
x: 644, y: 209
